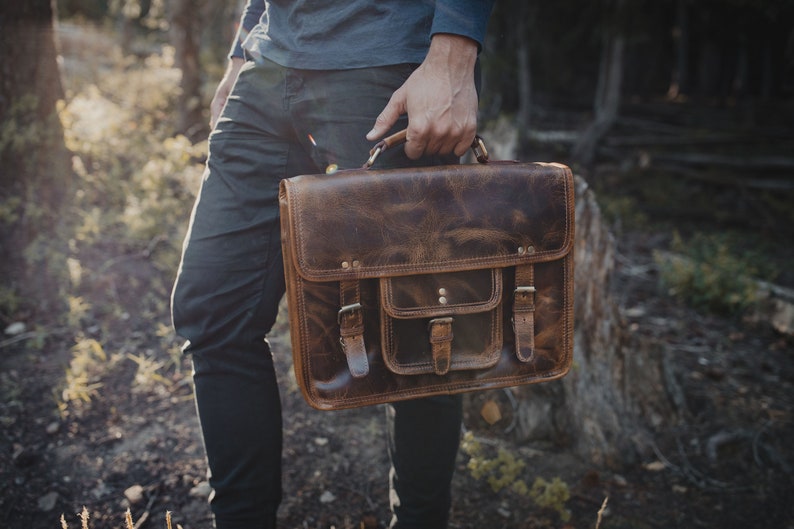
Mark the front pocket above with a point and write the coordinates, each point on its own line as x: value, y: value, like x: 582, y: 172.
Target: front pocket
x: 435, y: 323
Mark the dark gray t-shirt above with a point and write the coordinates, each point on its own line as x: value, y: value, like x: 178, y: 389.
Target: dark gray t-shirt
x: 333, y: 34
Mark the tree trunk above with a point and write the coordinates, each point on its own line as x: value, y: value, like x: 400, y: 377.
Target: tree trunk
x: 28, y: 56
x: 36, y: 169
x: 524, y: 73
x: 680, y: 78
x: 186, y: 38
x: 607, y: 99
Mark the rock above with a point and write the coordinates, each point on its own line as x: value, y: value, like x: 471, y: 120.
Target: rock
x: 134, y: 494
x: 327, y: 497
x: 202, y: 490
x: 490, y: 412
x: 655, y: 466
x: 15, y: 328
x: 53, y: 428
x: 48, y: 501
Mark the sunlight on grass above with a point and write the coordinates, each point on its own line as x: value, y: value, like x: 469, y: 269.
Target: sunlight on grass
x: 81, y: 378
x: 128, y: 520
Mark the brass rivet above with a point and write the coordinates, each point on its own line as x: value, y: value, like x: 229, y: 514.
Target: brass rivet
x: 345, y: 265
x: 442, y: 300
x: 520, y: 250
x: 442, y: 291
x: 530, y: 249
x: 356, y: 264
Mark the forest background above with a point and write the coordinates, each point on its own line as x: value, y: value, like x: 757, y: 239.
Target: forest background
x: 678, y: 115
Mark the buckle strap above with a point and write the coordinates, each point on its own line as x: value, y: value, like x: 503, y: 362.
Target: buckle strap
x: 441, y: 335
x: 351, y: 328
x: 524, y: 312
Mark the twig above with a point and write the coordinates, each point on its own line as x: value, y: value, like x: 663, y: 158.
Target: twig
x: 146, y: 513
x: 18, y: 338
x: 770, y: 452
x: 601, y: 512
x: 365, y: 495
x: 696, y: 476
x: 33, y: 334
x: 146, y: 253
x: 692, y: 475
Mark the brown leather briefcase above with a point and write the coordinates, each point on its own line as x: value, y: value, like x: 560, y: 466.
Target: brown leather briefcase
x: 404, y: 283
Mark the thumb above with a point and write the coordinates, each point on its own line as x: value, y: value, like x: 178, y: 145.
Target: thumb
x: 388, y: 116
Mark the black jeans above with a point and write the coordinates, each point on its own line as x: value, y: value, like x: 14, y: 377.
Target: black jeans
x: 277, y: 123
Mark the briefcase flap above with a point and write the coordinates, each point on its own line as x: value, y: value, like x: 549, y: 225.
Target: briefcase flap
x: 427, y: 220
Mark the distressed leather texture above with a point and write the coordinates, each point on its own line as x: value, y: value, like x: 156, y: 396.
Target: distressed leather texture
x: 403, y: 283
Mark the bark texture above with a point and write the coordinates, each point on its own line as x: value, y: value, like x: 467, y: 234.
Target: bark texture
x: 617, y: 387
x: 36, y: 171
x: 186, y: 20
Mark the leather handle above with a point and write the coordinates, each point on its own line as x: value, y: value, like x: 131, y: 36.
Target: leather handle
x: 398, y: 138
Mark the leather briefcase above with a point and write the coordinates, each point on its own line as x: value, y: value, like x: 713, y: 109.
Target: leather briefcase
x: 404, y: 283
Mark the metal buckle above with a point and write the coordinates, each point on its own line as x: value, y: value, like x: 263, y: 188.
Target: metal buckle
x: 373, y: 155
x: 344, y: 310
x: 446, y: 319
x: 523, y: 290
x: 479, y: 150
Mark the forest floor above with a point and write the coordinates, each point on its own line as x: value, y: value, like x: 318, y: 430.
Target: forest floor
x: 726, y: 460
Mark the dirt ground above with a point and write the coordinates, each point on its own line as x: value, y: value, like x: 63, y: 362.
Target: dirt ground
x: 727, y: 463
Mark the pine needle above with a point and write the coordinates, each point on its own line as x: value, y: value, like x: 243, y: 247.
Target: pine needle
x: 128, y: 518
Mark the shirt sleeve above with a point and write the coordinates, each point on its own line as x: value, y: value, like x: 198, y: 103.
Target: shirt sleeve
x: 252, y: 14
x: 468, y: 18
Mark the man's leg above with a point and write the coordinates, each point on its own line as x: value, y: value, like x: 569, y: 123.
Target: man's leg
x: 424, y: 435
x: 226, y: 298
x: 337, y: 109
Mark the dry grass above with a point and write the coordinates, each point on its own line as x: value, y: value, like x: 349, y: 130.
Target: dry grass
x: 129, y: 524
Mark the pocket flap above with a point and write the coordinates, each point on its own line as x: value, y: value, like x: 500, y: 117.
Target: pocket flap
x: 450, y: 293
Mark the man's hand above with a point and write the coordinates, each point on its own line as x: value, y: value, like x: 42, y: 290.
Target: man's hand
x: 440, y: 99
x: 224, y: 89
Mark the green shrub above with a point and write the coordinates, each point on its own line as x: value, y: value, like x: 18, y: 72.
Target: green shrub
x: 503, y: 473
x: 711, y: 273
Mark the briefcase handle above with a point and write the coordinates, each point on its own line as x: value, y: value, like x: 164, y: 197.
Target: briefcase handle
x: 398, y: 138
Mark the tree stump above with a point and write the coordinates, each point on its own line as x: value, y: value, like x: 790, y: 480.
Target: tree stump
x: 615, y: 388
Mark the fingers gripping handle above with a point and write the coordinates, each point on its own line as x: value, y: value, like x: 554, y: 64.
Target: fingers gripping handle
x: 398, y: 138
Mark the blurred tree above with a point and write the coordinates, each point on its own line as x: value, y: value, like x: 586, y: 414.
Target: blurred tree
x: 185, y: 35
x: 94, y: 10
x: 36, y: 167
x: 608, y: 90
